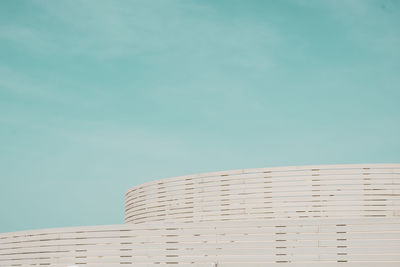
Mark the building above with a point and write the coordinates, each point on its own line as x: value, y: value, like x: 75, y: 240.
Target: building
x: 335, y: 215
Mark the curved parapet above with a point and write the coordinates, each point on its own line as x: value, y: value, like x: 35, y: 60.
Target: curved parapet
x: 330, y: 191
x: 367, y: 242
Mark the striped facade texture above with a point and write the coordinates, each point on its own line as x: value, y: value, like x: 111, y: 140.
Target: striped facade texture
x: 335, y: 215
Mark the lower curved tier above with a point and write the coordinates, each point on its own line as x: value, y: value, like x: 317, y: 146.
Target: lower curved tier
x: 367, y: 242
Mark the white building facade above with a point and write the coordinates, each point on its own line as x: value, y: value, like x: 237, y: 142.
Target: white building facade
x: 333, y: 215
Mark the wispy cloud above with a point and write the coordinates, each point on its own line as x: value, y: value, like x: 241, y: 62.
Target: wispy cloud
x: 120, y: 28
x: 24, y: 35
x: 371, y: 24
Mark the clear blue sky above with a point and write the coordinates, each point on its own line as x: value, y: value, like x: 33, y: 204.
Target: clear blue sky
x: 98, y: 96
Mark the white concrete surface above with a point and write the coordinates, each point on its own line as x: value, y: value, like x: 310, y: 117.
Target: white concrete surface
x: 344, y: 215
x: 332, y: 191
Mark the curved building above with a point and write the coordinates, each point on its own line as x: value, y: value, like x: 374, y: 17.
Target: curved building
x: 334, y: 215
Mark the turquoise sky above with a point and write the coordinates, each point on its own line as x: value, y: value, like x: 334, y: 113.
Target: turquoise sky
x: 98, y: 96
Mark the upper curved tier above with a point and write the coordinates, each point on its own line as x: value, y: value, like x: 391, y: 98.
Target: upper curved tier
x: 329, y: 191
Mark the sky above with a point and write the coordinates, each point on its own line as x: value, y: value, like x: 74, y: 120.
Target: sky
x: 99, y: 96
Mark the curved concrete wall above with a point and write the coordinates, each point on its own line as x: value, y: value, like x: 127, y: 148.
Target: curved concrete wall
x: 343, y: 215
x: 333, y: 191
x: 368, y: 242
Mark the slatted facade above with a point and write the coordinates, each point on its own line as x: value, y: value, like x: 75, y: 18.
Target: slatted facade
x: 337, y: 191
x: 304, y: 242
x: 346, y: 215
